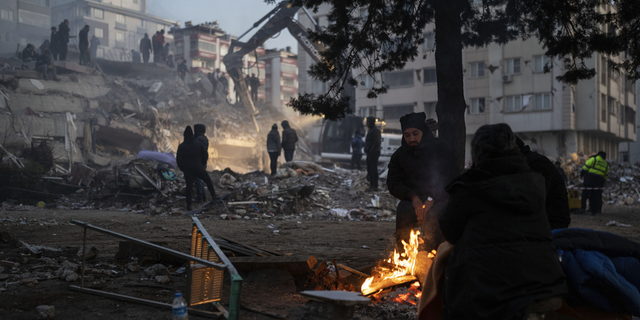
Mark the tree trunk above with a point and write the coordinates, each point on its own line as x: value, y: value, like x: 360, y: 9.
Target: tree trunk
x: 451, y: 106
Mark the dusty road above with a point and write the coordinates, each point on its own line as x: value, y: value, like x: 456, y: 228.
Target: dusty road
x: 354, y: 243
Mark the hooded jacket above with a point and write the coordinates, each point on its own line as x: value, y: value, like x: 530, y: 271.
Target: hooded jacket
x: 83, y: 36
x: 191, y: 153
x: 273, y: 140
x: 198, y: 133
x: 63, y: 34
x: 357, y: 144
x: 373, y: 140
x: 145, y: 45
x: 504, y: 259
x: 289, y: 136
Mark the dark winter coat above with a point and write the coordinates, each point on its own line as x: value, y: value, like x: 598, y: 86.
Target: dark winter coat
x: 357, y: 144
x: 43, y: 61
x: 373, y: 141
x: 145, y: 45
x: 601, y: 268
x: 273, y: 141
x: 191, y: 155
x: 28, y: 54
x: 63, y: 34
x: 289, y: 136
x: 504, y: 259
x: 557, y: 203
x: 54, y: 43
x: 198, y: 133
x: 84, y: 38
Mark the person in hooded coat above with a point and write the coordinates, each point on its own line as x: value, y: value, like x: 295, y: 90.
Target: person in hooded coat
x: 274, y: 147
x: 504, y: 259
x: 417, y: 173
x: 557, y: 200
x: 199, y: 131
x: 372, y: 147
x: 289, y: 139
x: 356, y: 156
x: 190, y: 158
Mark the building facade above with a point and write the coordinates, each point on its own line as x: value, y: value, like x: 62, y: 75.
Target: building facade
x: 281, y: 69
x: 119, y: 25
x: 23, y: 22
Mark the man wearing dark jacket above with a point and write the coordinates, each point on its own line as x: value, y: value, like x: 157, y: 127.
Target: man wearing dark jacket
x: 274, y: 147
x: 29, y: 53
x: 503, y: 260
x: 254, y: 83
x: 372, y: 146
x: 289, y: 139
x: 145, y: 48
x: 45, y: 65
x: 84, y: 45
x: 63, y: 39
x: 416, y: 177
x: 199, y: 131
x: 190, y: 157
x: 54, y: 43
x: 556, y: 200
x: 356, y: 145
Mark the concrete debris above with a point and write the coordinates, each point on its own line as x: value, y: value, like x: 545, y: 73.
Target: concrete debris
x: 92, y: 252
x: 46, y: 312
x: 163, y: 279
x: 69, y: 276
x: 157, y: 270
x: 82, y: 175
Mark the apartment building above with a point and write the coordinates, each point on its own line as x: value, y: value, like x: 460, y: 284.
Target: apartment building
x: 281, y: 69
x: 119, y: 25
x: 23, y: 22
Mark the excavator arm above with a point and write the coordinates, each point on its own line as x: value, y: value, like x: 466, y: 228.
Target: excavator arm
x: 279, y: 18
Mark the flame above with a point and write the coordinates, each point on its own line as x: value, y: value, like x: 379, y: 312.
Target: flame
x: 412, y: 296
x: 402, y: 263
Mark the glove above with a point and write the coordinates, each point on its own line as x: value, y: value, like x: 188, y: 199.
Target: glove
x: 583, y: 173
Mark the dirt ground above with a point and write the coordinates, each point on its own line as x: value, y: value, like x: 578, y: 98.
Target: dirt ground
x: 266, y: 294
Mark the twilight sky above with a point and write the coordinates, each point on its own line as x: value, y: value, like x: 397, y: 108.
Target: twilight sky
x: 235, y: 16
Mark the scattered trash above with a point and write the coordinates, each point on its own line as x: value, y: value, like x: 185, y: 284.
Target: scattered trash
x: 618, y: 224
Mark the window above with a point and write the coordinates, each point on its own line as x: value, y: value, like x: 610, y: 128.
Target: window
x: 612, y: 106
x: 120, y: 18
x: 42, y: 3
x: 98, y: 32
x: 289, y: 68
x: 603, y: 67
x: 6, y: 14
x: 98, y: 13
x: 142, y: 23
x: 179, y: 48
x: 430, y: 76
x: 205, y: 46
x: 429, y: 41
x: 603, y: 108
x: 539, y: 62
x: 395, y: 112
x: 119, y: 37
x: 366, y: 81
x: 477, y: 69
x: 430, y: 109
x: 513, y: 103
x: 100, y: 52
x: 512, y: 66
x: 477, y: 106
x: 4, y: 36
x: 293, y: 83
x: 319, y: 87
x: 398, y: 79
x: 542, y: 101
x: 34, y: 19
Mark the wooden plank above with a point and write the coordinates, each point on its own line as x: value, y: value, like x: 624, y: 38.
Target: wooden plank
x: 296, y: 265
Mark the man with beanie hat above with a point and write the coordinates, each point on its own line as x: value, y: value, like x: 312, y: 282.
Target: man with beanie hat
x: 372, y: 146
x: 594, y: 172
x: 556, y: 200
x: 417, y: 177
x: 190, y: 156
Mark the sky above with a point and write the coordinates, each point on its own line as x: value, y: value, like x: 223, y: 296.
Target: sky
x: 235, y: 16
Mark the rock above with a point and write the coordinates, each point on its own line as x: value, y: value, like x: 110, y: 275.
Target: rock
x: 235, y: 217
x: 92, y: 252
x: 69, y: 276
x: 66, y: 265
x: 163, y: 279
x: 157, y: 270
x: 629, y: 201
x: 46, y: 312
x: 223, y: 216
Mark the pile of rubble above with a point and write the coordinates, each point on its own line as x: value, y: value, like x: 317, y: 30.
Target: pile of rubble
x: 621, y: 188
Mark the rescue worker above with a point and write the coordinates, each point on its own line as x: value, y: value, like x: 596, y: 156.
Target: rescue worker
x: 594, y: 173
x: 274, y: 147
x: 416, y: 173
x: 29, y: 53
x: 199, y: 131
x: 145, y: 48
x: 254, y: 83
x: 63, y: 39
x: 183, y: 70
x: 289, y: 139
x: 504, y: 259
x: 356, y: 155
x: 84, y: 45
x: 44, y: 64
x: 94, y: 43
x: 372, y: 147
x: 190, y: 156
x: 556, y: 199
x: 54, y: 43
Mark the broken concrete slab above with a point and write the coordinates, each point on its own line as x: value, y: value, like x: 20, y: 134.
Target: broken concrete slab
x: 21, y: 74
x: 121, y: 135
x: 82, y: 175
x: 73, y: 67
x: 48, y: 127
x: 99, y: 160
x: 143, y: 70
x: 7, y: 77
x: 38, y: 103
x: 60, y: 154
x: 88, y: 87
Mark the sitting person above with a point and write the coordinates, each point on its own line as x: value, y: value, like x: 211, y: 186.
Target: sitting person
x: 504, y: 260
x: 29, y: 53
x: 44, y: 64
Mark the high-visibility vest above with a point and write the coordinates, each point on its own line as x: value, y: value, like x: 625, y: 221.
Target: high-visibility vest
x: 597, y: 165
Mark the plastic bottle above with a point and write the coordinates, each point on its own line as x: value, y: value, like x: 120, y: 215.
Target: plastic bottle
x: 179, y: 308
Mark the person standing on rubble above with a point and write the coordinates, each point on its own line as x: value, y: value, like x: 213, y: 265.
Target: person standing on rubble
x: 84, y: 45
x: 63, y: 39
x: 503, y: 260
x: 274, y: 147
x: 594, y: 173
x: 556, y: 200
x: 154, y: 44
x: 190, y: 156
x: 145, y: 48
x: 254, y: 83
x: 289, y: 139
x: 54, y: 43
x: 183, y: 70
x: 416, y: 177
x: 199, y: 131
x: 94, y: 43
x: 372, y: 147
x: 45, y: 65
x: 356, y: 145
x: 224, y: 82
